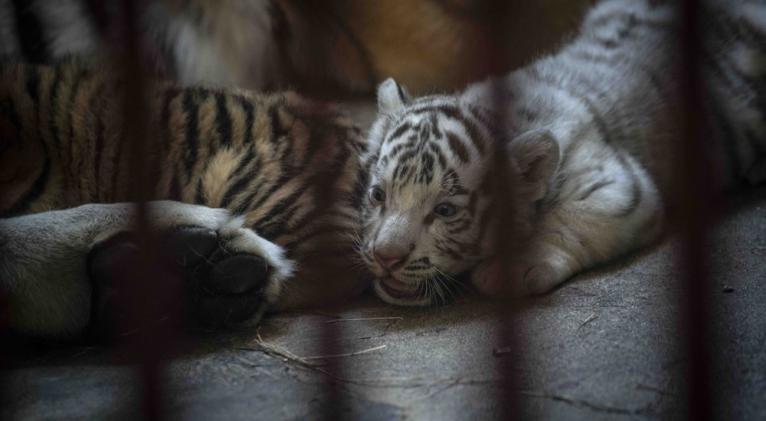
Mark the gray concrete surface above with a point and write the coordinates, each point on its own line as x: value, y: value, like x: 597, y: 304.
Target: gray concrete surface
x: 604, y: 346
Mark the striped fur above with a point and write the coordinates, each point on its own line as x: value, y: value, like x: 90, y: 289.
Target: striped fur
x: 288, y: 166
x: 329, y: 46
x: 588, y: 136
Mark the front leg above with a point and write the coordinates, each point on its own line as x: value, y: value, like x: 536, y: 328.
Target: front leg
x: 613, y: 213
x: 51, y: 263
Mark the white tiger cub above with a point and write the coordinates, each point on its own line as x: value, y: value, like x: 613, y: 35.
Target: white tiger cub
x: 589, y: 160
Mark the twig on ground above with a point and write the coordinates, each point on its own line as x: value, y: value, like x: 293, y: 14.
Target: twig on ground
x: 347, y: 354
x: 590, y: 318
x: 357, y: 319
x: 278, y: 351
x: 585, y: 404
x: 654, y: 389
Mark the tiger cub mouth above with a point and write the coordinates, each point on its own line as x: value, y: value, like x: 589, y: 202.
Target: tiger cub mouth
x: 397, y: 289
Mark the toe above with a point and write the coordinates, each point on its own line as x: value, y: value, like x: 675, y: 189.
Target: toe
x: 109, y: 266
x: 232, y: 291
x: 238, y: 274
x: 187, y: 246
x: 110, y: 258
x: 540, y: 279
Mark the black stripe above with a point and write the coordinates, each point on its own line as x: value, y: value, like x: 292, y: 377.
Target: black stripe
x: 93, y: 114
x: 222, y: 119
x: 30, y: 33
x: 738, y: 83
x: 33, y: 85
x: 614, y: 105
x: 191, y: 131
x: 457, y: 147
x: 458, y: 226
x: 584, y: 100
x: 360, y: 186
x: 247, y: 105
x: 630, y: 22
x: 729, y: 27
x: 277, y: 131
x: 398, y: 131
x: 322, y: 232
x: 53, y: 100
x: 448, y: 251
x: 34, y: 193
x: 121, y: 142
x: 435, y: 132
x: 242, y: 181
x: 167, y: 137
x: 70, y: 112
x: 468, y: 123
x: 595, y: 187
x: 610, y: 61
x: 727, y: 78
x: 442, y: 160
x: 426, y: 168
x: 199, y: 194
x: 249, y: 202
x: 175, y: 192
x: 8, y: 108
x: 274, y: 219
x: 99, y: 148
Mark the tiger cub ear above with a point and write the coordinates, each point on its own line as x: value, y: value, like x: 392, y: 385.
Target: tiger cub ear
x: 392, y: 97
x: 536, y: 155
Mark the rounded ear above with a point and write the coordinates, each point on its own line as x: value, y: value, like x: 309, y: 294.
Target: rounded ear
x: 391, y: 96
x: 536, y: 154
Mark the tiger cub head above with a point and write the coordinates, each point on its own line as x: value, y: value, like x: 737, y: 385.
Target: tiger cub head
x: 426, y: 214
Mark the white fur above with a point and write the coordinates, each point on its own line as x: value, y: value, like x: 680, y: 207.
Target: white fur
x: 66, y: 27
x: 9, y: 44
x: 596, y: 201
x: 43, y: 272
x: 230, y: 48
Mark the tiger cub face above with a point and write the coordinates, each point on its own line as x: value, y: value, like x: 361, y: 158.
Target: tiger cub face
x: 425, y: 214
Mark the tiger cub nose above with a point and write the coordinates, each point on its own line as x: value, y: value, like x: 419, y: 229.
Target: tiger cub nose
x: 390, y: 260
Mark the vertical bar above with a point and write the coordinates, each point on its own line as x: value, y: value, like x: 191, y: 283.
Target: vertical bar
x: 695, y: 214
x: 149, y: 294
x: 507, y: 396
x: 8, y: 341
x: 335, y: 401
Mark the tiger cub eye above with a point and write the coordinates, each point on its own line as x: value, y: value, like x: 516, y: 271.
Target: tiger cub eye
x: 377, y: 195
x: 445, y: 210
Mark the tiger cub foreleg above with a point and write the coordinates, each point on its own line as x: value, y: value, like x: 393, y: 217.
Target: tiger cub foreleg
x: 55, y: 265
x: 599, y: 213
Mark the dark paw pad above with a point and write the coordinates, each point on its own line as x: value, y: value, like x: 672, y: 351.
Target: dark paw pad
x: 188, y: 246
x: 232, y: 290
x: 219, y: 288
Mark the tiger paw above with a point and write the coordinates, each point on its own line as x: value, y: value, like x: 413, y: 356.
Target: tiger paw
x: 496, y: 278
x: 499, y: 279
x: 228, y: 275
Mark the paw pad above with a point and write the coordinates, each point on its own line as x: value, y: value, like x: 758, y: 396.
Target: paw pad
x: 221, y: 287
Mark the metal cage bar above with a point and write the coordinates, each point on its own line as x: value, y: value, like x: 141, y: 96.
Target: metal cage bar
x: 695, y: 209
x: 152, y: 341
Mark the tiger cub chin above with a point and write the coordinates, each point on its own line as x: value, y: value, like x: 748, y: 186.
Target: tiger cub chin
x: 587, y: 138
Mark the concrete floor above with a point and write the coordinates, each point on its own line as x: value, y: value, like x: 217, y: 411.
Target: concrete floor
x: 604, y: 346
